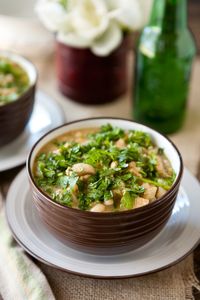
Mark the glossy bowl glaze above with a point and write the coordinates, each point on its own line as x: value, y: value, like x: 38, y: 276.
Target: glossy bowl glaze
x: 15, y: 115
x: 111, y: 232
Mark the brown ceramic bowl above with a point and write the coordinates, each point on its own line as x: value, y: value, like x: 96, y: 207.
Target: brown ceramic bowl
x: 15, y: 115
x: 112, y: 232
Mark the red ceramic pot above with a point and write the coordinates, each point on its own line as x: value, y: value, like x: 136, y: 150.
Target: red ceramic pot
x: 87, y: 78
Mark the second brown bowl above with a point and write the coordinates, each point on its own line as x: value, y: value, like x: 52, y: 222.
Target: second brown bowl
x: 14, y: 116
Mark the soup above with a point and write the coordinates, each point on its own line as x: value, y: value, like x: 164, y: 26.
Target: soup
x: 14, y: 81
x: 103, y: 169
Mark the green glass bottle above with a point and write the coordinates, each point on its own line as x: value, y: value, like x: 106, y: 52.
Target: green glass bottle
x: 163, y: 65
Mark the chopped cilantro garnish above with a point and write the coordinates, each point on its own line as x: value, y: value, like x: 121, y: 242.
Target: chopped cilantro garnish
x: 116, y: 172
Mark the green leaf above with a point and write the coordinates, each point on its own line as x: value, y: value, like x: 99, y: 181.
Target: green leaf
x: 96, y: 157
x: 67, y: 181
x: 127, y: 200
x: 49, y: 173
x: 72, y: 180
x: 106, y: 134
x: 62, y: 181
x: 129, y: 154
x: 158, y: 182
x: 108, y: 195
x: 65, y: 198
x: 141, y: 138
x: 84, y: 202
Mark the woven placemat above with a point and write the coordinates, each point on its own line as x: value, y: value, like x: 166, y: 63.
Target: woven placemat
x: 174, y: 283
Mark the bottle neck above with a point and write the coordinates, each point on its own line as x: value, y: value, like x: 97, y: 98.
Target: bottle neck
x: 169, y: 15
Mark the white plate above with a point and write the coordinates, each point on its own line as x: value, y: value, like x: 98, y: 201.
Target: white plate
x: 46, y: 115
x: 177, y: 239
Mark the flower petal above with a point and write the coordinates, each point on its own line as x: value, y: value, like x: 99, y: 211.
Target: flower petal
x: 109, y: 41
x: 50, y: 13
x: 73, y: 40
x: 127, y: 13
x: 145, y: 7
x: 82, y: 28
x: 90, y: 18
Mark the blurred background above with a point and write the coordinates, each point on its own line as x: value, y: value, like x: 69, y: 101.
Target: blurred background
x: 20, y: 28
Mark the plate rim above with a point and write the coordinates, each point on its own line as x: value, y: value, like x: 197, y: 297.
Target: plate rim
x: 39, y: 93
x: 106, y: 277
x: 103, y: 276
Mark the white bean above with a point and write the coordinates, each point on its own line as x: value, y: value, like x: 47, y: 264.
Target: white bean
x: 113, y: 164
x: 83, y: 169
x: 98, y: 208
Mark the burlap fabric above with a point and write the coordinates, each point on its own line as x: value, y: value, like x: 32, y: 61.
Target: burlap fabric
x: 174, y: 283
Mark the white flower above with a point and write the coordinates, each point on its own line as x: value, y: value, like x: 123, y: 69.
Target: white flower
x: 109, y: 41
x: 127, y: 13
x: 51, y: 13
x: 90, y: 18
x: 94, y: 24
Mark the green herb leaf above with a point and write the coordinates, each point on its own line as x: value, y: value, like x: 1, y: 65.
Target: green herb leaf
x: 127, y: 200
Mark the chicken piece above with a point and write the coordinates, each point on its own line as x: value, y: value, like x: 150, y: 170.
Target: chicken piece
x: 163, y: 167
x: 134, y: 169
x: 83, y: 169
x: 160, y: 192
x: 120, y: 144
x: 139, y: 202
x: 150, y: 192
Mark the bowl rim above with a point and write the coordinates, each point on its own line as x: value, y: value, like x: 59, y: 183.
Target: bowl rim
x: 85, y: 212
x: 9, y: 54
